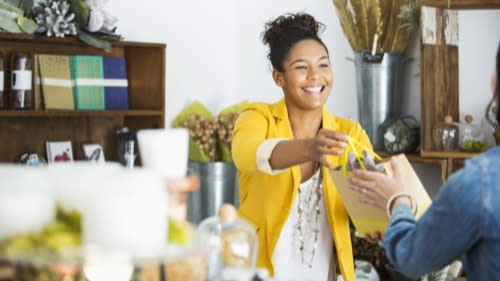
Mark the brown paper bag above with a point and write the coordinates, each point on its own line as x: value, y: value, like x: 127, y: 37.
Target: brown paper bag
x: 369, y: 219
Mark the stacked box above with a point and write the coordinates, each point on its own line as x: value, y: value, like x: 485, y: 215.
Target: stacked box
x: 115, y: 83
x: 87, y: 75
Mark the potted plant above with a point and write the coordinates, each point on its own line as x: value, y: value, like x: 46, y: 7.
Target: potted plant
x: 378, y: 32
x: 210, y: 157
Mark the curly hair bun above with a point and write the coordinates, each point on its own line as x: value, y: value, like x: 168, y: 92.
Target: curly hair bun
x: 283, y: 32
x: 301, y: 23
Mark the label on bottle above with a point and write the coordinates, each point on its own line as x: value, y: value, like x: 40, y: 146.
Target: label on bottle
x: 21, y: 80
x: 1, y: 81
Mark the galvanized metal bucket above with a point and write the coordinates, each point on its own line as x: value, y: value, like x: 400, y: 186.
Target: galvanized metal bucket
x: 379, y: 92
x: 218, y: 185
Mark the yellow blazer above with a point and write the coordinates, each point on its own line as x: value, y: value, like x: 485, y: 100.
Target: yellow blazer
x: 266, y: 200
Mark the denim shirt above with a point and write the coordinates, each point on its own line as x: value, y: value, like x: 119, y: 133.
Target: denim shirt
x: 463, y: 222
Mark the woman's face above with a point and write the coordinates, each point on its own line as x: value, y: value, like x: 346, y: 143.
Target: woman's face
x: 307, y: 76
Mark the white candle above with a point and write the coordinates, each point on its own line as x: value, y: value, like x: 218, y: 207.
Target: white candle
x: 165, y: 151
x: 26, y: 199
x: 128, y: 214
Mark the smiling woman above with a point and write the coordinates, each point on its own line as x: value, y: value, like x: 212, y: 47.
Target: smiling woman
x: 283, y: 151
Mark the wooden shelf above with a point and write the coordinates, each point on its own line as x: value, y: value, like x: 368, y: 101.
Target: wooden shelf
x: 28, y: 130
x: 463, y: 4
x: 447, y: 154
x: 78, y: 113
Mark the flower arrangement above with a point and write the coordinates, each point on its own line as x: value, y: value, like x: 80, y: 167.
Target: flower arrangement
x: 383, y: 26
x: 209, y: 136
x: 83, y: 18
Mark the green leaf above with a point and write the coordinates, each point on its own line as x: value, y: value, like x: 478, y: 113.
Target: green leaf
x: 196, y: 153
x: 9, y: 7
x: 8, y: 21
x: 234, y: 108
x: 81, y: 11
x: 28, y: 26
x: 26, y: 6
x: 226, y: 155
x: 91, y: 40
x: 195, y: 108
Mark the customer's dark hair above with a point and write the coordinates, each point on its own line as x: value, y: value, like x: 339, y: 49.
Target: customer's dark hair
x: 282, y: 33
x: 497, y: 86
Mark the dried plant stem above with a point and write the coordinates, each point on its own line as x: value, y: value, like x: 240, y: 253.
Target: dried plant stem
x: 362, y: 19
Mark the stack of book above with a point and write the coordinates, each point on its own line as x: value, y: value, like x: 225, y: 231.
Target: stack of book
x: 80, y: 82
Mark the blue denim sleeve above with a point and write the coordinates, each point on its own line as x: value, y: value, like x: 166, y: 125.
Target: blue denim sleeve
x: 442, y: 234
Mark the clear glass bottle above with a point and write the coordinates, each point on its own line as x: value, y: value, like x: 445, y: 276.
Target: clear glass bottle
x: 3, y: 102
x: 445, y: 135
x: 21, y: 75
x: 231, y: 244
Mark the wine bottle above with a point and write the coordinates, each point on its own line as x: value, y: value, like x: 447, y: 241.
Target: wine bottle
x: 21, y: 94
x: 3, y: 102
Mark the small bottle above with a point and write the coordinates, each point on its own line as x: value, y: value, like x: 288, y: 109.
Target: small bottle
x: 3, y: 101
x: 21, y: 94
x: 445, y: 135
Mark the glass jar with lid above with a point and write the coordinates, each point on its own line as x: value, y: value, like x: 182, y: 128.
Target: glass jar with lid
x: 472, y: 136
x: 445, y: 135
x: 231, y: 245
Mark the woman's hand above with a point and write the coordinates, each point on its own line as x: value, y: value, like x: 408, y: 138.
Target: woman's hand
x: 327, y: 142
x: 376, y: 188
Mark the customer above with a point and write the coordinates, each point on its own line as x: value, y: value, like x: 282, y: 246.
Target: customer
x: 463, y: 220
x: 283, y: 151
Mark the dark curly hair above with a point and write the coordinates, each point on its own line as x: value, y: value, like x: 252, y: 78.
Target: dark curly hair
x: 282, y: 33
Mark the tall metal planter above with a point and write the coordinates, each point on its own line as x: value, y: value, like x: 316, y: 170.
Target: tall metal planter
x: 379, y: 91
x: 218, y: 185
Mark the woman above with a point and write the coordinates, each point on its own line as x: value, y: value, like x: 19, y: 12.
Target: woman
x: 283, y: 152
x: 463, y: 220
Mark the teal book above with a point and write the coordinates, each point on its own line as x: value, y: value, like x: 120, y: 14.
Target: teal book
x: 87, y: 76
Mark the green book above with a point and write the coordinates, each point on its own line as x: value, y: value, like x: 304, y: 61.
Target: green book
x: 87, y: 76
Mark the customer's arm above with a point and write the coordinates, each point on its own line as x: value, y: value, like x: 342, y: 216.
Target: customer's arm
x: 443, y: 234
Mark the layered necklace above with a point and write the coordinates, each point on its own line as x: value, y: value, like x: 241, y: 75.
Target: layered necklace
x: 308, y: 212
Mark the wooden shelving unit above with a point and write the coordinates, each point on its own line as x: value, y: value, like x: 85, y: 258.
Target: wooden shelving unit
x: 27, y: 130
x: 462, y: 4
x: 439, y: 72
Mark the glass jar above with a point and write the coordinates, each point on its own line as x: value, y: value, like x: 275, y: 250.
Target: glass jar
x: 231, y: 244
x: 3, y: 103
x: 401, y: 135
x: 21, y: 94
x: 445, y: 135
x: 472, y: 136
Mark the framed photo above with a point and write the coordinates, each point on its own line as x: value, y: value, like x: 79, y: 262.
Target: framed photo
x: 59, y: 151
x: 93, y: 153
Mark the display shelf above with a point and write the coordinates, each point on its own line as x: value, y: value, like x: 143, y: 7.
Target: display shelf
x: 447, y: 154
x: 77, y: 113
x: 462, y: 4
x: 27, y: 130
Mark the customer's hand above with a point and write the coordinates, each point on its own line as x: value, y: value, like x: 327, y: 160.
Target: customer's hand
x: 376, y: 188
x: 374, y: 237
x: 327, y: 142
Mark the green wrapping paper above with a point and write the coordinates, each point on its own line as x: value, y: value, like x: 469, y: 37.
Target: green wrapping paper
x: 210, y: 137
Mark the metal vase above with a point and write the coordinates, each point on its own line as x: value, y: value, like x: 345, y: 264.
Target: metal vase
x: 218, y: 185
x: 378, y: 84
